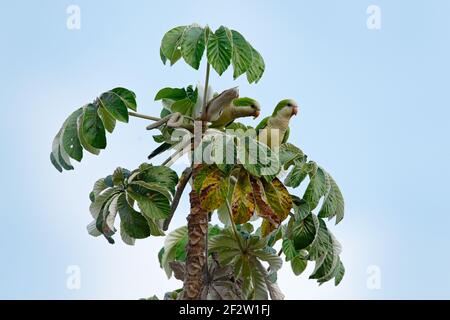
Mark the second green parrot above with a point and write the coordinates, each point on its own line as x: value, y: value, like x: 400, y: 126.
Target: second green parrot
x: 238, y: 108
x: 274, y: 130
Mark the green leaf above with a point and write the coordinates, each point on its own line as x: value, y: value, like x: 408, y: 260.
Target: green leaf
x: 257, y: 158
x: 171, y: 93
x: 304, y: 232
x: 273, y: 259
x: 96, y: 207
x: 318, y: 187
x: 128, y: 96
x: 289, y: 154
x: 108, y: 121
x: 301, y: 208
x: 323, y: 242
x: 333, y: 204
x: 162, y: 56
x: 134, y: 223
x: 171, y: 42
x: 55, y: 162
x: 219, y: 49
x: 162, y: 175
x: 70, y: 140
x: 184, y: 106
x: 115, y: 105
x: 83, y: 140
x: 258, y: 282
x: 241, y: 56
x: 256, y: 69
x: 171, y: 246
x: 153, y: 186
x: 193, y: 46
x: 153, y: 205
x: 298, y: 265
x: 340, y: 271
x: 59, y: 158
x: 289, y: 249
x: 93, y: 130
x: 118, y: 177
x: 155, y: 230
x: 297, y: 175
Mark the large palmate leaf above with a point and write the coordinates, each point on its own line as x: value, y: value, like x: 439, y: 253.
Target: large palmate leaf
x: 247, y: 259
x: 223, y: 47
x: 85, y: 128
x: 309, y: 239
x: 151, y: 187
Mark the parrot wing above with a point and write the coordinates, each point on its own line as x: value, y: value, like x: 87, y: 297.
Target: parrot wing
x: 262, y: 124
x: 286, y: 135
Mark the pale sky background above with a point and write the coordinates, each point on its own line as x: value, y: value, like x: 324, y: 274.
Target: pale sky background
x: 374, y: 112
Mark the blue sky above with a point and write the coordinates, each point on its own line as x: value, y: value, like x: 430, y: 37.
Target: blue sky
x: 374, y: 111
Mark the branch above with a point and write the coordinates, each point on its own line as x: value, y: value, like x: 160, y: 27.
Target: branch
x: 143, y: 116
x: 185, y: 176
x: 205, y: 93
x: 176, y: 155
x: 233, y: 226
x: 173, y: 120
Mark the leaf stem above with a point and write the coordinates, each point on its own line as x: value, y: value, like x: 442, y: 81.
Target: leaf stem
x: 205, y: 93
x: 233, y: 226
x: 143, y: 116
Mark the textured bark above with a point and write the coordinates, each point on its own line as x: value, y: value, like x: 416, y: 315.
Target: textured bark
x: 195, y: 249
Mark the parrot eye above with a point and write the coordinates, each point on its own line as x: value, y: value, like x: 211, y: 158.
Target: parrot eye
x: 289, y: 105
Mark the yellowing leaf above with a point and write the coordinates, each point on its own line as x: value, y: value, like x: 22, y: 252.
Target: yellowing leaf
x: 243, y: 201
x: 213, y: 189
x: 263, y: 209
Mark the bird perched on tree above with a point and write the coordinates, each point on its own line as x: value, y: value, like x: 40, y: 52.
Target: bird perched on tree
x: 238, y: 108
x: 274, y: 130
x: 216, y: 105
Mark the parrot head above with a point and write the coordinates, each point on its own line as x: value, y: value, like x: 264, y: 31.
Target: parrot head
x: 253, y: 106
x: 286, y: 108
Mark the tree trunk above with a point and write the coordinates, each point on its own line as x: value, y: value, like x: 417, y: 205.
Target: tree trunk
x: 195, y: 249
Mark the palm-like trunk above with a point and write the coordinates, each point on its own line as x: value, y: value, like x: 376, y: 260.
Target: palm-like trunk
x: 195, y: 249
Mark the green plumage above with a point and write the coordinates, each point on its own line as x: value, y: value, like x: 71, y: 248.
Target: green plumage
x: 279, y: 120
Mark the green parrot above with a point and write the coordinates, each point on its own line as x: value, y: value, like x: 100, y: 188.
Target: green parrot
x: 216, y: 105
x: 279, y: 120
x: 238, y: 108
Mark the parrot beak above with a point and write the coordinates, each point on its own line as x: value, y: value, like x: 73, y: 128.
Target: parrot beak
x: 256, y: 115
x: 294, y: 110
